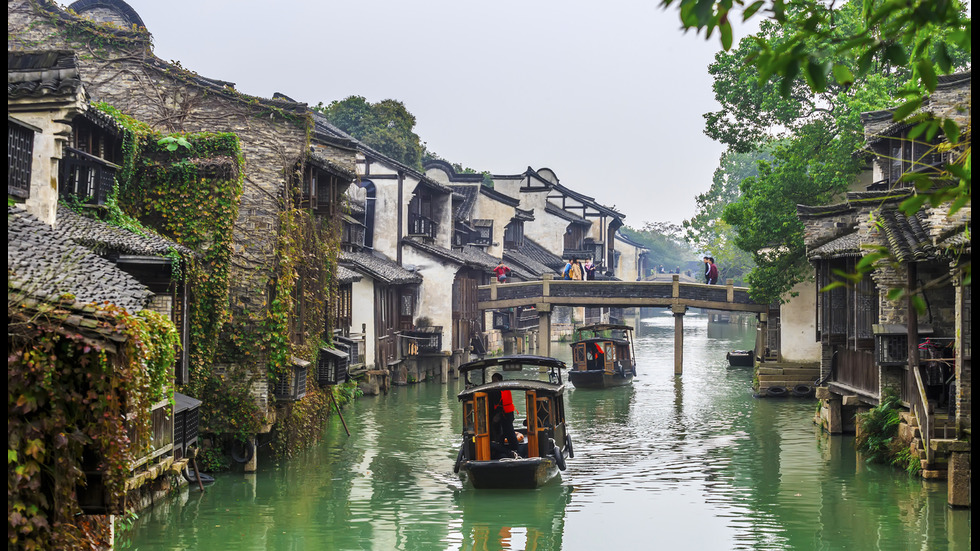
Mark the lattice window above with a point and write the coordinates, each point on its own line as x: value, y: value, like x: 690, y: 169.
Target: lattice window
x: 20, y: 149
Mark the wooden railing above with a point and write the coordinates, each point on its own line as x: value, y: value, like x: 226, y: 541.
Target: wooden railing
x: 857, y: 369
x: 420, y: 225
x: 920, y: 406
x: 622, y: 294
x: 86, y: 177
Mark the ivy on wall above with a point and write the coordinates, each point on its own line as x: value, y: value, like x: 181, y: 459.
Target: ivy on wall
x: 69, y: 399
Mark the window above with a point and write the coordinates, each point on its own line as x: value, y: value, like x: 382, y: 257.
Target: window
x: 20, y: 149
x: 514, y: 235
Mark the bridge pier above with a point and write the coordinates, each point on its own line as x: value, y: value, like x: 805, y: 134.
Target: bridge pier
x: 544, y: 329
x: 678, y: 310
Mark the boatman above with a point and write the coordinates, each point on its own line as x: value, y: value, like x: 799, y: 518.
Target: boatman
x: 503, y: 415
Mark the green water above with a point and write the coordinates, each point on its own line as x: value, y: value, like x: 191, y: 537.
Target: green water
x: 693, y: 462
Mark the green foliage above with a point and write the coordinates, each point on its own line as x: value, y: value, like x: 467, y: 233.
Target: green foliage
x: 666, y: 244
x: 386, y: 126
x: 878, y: 435
x: 68, y: 396
x: 171, y: 143
x: 830, y: 63
x: 211, y: 459
x: 193, y: 203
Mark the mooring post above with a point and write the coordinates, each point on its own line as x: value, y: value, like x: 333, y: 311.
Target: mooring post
x: 762, y: 336
x: 678, y: 310
x: 544, y: 329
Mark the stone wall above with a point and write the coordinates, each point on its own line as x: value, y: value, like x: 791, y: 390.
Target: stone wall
x: 118, y: 67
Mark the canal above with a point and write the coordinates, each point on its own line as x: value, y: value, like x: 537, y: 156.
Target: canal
x: 690, y: 462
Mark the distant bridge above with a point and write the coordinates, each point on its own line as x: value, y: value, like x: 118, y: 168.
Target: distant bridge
x: 677, y: 295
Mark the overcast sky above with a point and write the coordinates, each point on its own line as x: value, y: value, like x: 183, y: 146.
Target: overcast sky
x: 609, y: 95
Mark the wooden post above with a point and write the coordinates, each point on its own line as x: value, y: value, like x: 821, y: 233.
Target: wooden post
x: 253, y: 463
x: 678, y: 310
x: 544, y: 329
x: 336, y: 405
x: 197, y: 472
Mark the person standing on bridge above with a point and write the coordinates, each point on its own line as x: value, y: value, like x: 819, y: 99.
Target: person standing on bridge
x: 575, y: 272
x: 710, y: 271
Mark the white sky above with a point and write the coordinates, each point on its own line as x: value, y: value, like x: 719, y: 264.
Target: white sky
x: 609, y: 95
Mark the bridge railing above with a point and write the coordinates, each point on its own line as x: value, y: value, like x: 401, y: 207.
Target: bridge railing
x: 619, y: 293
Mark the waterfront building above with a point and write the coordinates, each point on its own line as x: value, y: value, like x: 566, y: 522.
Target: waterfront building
x: 289, y: 197
x: 873, y: 341
x: 72, y: 275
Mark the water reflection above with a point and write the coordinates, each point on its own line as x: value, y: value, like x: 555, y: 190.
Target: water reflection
x: 509, y: 519
x: 690, y: 462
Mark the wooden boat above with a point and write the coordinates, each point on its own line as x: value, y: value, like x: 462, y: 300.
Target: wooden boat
x: 741, y: 358
x: 483, y: 460
x: 602, y: 356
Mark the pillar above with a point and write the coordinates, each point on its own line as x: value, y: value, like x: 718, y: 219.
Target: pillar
x: 678, y: 310
x: 958, y: 479
x: 444, y: 368
x: 762, y: 336
x: 544, y: 329
x: 253, y: 463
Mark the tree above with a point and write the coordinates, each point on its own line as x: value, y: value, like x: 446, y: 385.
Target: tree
x: 386, y: 126
x: 666, y: 244
x: 813, y: 119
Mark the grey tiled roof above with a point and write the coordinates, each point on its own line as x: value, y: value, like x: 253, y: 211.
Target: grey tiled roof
x: 467, y: 195
x: 104, y: 238
x: 844, y: 246
x: 346, y: 275
x: 541, y: 255
x: 42, y: 73
x: 44, y: 263
x: 515, y: 259
x: 379, y: 268
x: 907, y: 239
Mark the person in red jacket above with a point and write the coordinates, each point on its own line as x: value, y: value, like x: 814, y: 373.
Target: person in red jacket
x: 502, y: 272
x: 710, y: 271
x: 503, y: 415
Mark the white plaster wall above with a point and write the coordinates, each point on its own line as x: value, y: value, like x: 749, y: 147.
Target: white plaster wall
x: 43, y: 202
x: 501, y: 214
x: 547, y: 229
x: 362, y: 312
x: 797, y: 326
x: 627, y: 268
x: 509, y: 185
x: 386, y: 217
x: 436, y: 291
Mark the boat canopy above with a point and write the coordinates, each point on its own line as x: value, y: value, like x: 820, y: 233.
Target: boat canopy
x: 606, y: 330
x: 520, y: 368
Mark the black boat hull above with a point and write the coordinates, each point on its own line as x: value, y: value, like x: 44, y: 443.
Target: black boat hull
x: 598, y: 378
x: 527, y: 473
x: 741, y: 358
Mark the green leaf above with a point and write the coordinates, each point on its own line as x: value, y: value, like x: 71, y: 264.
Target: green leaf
x: 918, y: 303
x: 895, y: 293
x: 867, y: 262
x: 11, y: 456
x: 750, y: 11
x: 843, y: 75
x: 952, y: 131
x: 816, y: 74
x: 927, y: 74
x: 906, y: 109
x: 726, y: 35
x: 943, y: 59
x: 895, y: 54
x: 912, y: 205
x: 832, y: 286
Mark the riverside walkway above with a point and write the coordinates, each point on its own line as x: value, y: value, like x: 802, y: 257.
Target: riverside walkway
x: 547, y: 293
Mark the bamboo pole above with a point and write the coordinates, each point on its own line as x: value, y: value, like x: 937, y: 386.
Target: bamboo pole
x: 339, y: 412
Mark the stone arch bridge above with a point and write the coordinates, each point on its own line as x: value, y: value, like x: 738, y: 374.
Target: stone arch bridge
x: 676, y: 295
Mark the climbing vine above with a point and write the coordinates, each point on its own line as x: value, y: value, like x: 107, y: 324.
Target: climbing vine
x: 75, y: 404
